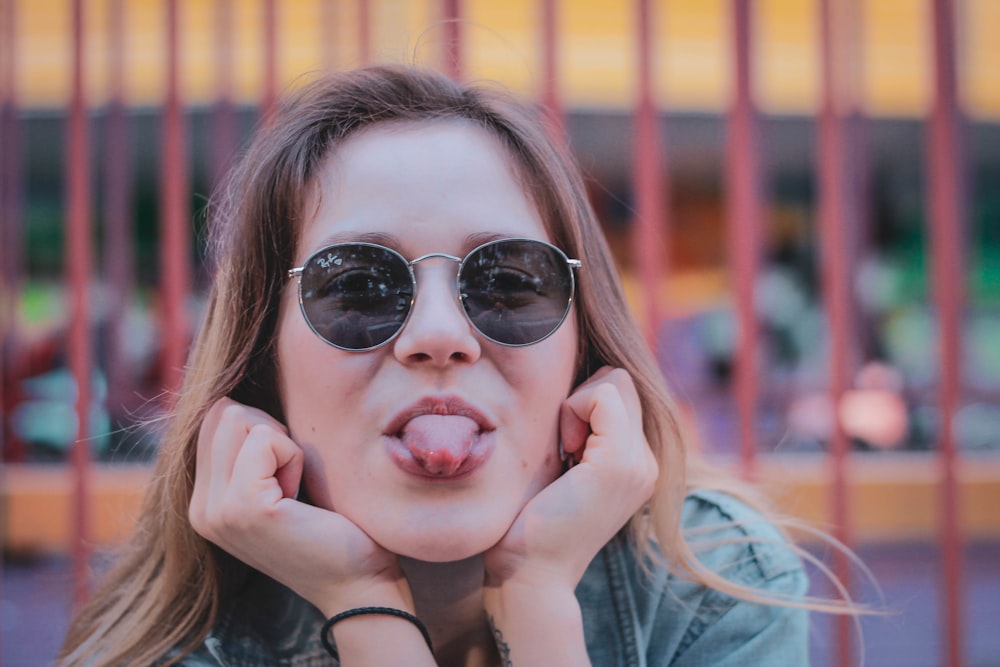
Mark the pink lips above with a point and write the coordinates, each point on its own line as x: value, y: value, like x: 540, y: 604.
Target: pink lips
x: 440, y: 438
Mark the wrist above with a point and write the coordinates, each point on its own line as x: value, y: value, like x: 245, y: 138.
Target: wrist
x: 394, y: 594
x: 524, y: 620
x: 375, y: 616
x: 548, y: 603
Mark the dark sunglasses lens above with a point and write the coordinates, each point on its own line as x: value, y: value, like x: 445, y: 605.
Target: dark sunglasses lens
x: 516, y: 292
x: 356, y: 296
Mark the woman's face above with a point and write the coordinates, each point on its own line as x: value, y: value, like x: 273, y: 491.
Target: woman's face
x: 433, y: 442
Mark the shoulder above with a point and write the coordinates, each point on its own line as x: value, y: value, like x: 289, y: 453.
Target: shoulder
x: 640, y: 610
x: 736, y: 541
x: 744, y: 547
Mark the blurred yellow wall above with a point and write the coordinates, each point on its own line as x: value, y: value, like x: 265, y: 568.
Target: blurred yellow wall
x: 891, y: 497
x: 890, y: 49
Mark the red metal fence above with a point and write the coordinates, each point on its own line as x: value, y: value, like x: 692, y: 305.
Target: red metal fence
x: 838, y: 214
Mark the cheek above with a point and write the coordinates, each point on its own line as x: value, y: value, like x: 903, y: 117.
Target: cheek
x: 315, y: 379
x: 539, y: 471
x: 547, y: 374
x: 546, y: 387
x: 315, y: 480
x: 289, y: 337
x: 551, y: 465
x: 316, y: 382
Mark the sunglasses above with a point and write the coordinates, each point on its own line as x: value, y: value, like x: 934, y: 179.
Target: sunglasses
x: 358, y: 296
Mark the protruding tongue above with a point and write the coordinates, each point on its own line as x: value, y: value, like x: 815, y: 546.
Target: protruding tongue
x: 440, y: 443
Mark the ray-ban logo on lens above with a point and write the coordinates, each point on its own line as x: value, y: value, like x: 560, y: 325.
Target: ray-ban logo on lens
x: 329, y: 260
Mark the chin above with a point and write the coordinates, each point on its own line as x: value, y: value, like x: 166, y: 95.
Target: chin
x: 444, y: 545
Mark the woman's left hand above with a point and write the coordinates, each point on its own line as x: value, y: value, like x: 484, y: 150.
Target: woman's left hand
x: 532, y: 573
x: 560, y: 530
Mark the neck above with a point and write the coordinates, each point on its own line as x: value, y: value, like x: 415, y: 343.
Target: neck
x: 449, y: 600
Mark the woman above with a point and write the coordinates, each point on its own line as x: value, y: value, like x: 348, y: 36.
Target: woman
x: 487, y: 472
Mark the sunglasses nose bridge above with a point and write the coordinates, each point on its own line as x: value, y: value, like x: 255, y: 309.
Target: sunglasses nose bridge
x: 423, y: 258
x: 437, y: 325
x: 433, y: 255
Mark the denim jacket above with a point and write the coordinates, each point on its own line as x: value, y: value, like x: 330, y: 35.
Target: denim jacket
x: 633, y: 616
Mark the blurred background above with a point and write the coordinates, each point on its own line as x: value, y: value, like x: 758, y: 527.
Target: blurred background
x: 803, y: 197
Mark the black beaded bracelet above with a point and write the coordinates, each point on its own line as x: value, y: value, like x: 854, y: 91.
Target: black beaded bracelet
x: 359, y: 611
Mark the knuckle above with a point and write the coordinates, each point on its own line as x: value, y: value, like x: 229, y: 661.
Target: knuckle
x: 219, y: 409
x: 219, y: 417
x: 618, y: 374
x: 620, y: 378
x: 625, y: 384
x: 605, y: 392
x: 260, y: 432
x: 230, y: 411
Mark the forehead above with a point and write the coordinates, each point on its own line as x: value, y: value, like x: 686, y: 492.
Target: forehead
x: 429, y: 183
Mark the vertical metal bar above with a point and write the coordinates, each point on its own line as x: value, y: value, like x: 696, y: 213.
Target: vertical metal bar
x: 453, y: 39
x: 946, y: 236
x: 651, y: 184
x: 328, y: 30
x: 224, y: 137
x: 9, y: 218
x: 223, y: 122
x: 117, y: 219
x: 743, y: 180
x: 365, y: 30
x: 175, y: 247
x: 78, y: 260
x: 270, y: 96
x: 834, y: 222
x: 550, y: 68
x: 6, y: 171
x: 11, y: 264
x: 859, y: 174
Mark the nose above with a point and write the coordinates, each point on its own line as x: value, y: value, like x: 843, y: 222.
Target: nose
x: 437, y: 332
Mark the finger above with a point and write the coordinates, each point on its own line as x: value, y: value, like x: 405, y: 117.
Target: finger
x: 629, y: 394
x: 222, y: 434
x: 208, y: 457
x: 573, y: 431
x: 595, y: 377
x: 244, y: 511
x: 268, y: 458
x: 574, y: 428
x: 621, y: 379
x: 206, y: 435
x: 608, y: 408
x: 599, y: 406
x: 225, y: 427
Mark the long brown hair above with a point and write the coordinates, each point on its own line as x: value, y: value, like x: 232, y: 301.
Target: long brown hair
x: 163, y: 594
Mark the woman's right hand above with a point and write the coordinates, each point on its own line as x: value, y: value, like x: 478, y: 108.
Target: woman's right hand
x: 246, y: 479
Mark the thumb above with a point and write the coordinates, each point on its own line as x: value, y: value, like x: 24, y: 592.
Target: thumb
x: 573, y: 431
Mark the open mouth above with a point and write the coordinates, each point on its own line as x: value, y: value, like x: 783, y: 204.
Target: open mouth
x: 440, y: 439
x: 440, y: 444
